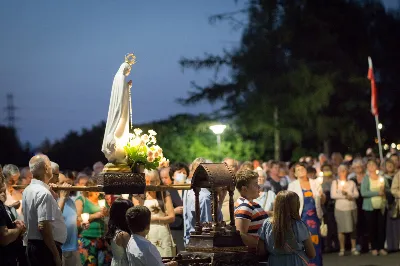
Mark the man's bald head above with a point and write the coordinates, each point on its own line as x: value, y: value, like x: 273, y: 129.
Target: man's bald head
x: 40, y: 167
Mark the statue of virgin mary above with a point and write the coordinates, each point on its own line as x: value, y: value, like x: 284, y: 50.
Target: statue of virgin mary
x: 117, y: 128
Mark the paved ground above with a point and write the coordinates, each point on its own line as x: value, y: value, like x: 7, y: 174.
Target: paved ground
x: 362, y: 260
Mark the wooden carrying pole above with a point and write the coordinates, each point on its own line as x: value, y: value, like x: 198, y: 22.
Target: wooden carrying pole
x: 100, y: 188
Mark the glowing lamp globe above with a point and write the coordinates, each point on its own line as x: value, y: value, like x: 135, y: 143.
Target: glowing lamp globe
x: 218, y: 129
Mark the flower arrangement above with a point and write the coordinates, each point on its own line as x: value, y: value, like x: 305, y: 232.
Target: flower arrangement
x: 142, y: 149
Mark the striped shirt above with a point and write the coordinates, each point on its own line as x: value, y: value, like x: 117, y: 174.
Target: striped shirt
x: 252, y: 211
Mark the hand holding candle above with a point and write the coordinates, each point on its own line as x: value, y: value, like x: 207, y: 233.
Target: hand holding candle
x: 102, y: 203
x: 125, y: 196
x: 320, y: 178
x: 85, y: 217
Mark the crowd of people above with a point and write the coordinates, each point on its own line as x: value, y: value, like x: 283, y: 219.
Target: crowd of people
x: 288, y: 213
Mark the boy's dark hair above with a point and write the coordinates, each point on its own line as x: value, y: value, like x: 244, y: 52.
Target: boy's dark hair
x: 311, y: 170
x: 244, y: 177
x: 138, y: 218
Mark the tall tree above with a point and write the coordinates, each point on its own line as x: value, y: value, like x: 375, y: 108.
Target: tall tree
x: 303, y: 60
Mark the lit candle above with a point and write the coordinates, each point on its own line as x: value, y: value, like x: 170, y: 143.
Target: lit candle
x: 102, y: 203
x: 85, y: 217
x: 125, y: 196
x: 320, y: 180
x: 382, y: 180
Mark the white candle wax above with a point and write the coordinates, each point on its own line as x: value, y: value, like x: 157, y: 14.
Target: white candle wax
x: 85, y: 217
x: 125, y: 196
x: 102, y: 203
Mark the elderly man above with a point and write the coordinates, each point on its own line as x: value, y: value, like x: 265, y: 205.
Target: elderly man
x: 46, y: 230
x: 70, y: 255
x: 97, y: 168
x: 55, y: 169
x: 189, y: 204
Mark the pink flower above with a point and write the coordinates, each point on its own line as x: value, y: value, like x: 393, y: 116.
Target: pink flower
x: 310, y: 212
x: 311, y: 223
x: 150, y: 159
x: 150, y: 153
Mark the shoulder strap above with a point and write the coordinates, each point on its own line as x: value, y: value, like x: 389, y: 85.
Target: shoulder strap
x: 297, y: 253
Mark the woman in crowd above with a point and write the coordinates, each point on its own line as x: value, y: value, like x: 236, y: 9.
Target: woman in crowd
x: 267, y: 196
x: 373, y: 189
x: 394, y: 230
x: 92, y: 247
x: 162, y: 215
x: 357, y: 177
x: 311, y: 199
x: 345, y: 193
x: 331, y: 241
x: 389, y: 172
x: 118, y: 233
x: 284, y: 236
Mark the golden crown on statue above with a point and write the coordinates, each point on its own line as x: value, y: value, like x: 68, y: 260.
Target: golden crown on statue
x: 130, y: 58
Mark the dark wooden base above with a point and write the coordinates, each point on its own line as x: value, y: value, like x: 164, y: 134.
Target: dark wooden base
x: 210, y: 241
x: 121, y: 183
x: 220, y: 258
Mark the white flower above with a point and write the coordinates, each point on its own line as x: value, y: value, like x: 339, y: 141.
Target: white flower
x: 145, y: 138
x: 152, y: 132
x: 138, y: 131
x: 150, y: 159
x: 158, y: 149
x: 135, y: 142
x: 163, y: 162
x: 150, y: 153
x: 156, y: 154
x: 153, y: 139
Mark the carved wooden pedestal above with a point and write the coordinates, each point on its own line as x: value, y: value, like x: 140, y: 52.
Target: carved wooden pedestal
x: 221, y: 257
x: 122, y: 183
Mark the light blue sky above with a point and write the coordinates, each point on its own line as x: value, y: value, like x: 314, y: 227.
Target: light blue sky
x: 59, y: 58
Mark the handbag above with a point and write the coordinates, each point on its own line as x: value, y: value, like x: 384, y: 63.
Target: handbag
x: 323, y: 229
x: 395, y: 209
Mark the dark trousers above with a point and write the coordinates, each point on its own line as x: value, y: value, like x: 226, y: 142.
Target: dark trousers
x: 376, y: 226
x: 362, y: 230
x: 39, y: 254
x: 331, y: 241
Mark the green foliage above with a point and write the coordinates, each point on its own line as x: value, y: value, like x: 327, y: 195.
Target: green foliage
x: 306, y: 59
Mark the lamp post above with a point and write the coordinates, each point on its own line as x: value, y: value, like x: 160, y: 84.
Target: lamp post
x: 218, y: 130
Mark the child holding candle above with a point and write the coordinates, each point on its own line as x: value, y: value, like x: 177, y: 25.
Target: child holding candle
x: 118, y: 233
x: 93, y: 249
x: 345, y: 193
x: 373, y: 190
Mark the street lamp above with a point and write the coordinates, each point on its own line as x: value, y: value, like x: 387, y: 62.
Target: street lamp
x: 218, y: 130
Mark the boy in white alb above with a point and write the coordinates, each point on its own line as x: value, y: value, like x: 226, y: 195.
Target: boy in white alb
x: 140, y: 251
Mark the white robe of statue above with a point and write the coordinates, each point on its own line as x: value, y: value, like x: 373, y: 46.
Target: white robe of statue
x: 117, y: 127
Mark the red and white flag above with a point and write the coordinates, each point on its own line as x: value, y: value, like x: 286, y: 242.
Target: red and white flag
x: 374, y: 95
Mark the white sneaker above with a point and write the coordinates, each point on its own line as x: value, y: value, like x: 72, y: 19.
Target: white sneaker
x: 341, y: 253
x: 355, y: 252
